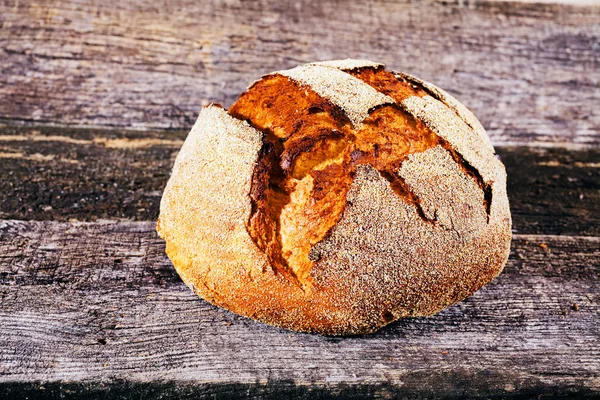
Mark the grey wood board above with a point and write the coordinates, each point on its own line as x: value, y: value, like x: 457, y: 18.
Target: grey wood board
x: 528, y: 71
x: 90, y: 174
x: 100, y: 302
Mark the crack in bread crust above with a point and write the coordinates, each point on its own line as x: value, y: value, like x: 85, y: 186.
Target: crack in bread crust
x: 387, y: 83
x: 441, y: 95
x: 309, y: 160
x: 349, y: 93
x: 400, y: 87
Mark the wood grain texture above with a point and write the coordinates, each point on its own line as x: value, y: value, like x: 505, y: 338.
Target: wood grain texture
x: 83, y: 303
x: 86, y: 174
x: 528, y: 71
x: 553, y: 191
x: 64, y: 174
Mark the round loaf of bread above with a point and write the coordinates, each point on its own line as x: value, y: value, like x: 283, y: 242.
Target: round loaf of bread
x: 335, y: 198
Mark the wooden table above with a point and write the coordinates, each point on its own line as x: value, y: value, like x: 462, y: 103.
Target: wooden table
x: 95, y: 101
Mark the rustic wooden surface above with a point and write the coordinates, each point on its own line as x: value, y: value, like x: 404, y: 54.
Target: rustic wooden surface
x: 95, y: 101
x: 528, y: 71
x: 91, y: 301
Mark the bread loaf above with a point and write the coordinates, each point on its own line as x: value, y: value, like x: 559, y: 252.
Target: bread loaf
x: 335, y: 198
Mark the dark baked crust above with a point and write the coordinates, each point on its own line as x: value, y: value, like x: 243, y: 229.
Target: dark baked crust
x: 333, y: 214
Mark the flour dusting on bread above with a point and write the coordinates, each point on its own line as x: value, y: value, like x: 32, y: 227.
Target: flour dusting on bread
x: 335, y: 198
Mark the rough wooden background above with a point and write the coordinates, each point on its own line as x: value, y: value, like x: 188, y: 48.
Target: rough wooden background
x: 529, y: 71
x: 95, y: 101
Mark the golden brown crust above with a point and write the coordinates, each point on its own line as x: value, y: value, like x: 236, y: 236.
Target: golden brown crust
x: 304, y: 171
x: 326, y: 219
x: 463, y: 112
x: 349, y: 93
x: 387, y: 83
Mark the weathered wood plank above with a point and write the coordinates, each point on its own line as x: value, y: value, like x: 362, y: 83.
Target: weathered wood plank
x: 553, y: 191
x: 85, y: 174
x: 528, y: 71
x: 83, y: 303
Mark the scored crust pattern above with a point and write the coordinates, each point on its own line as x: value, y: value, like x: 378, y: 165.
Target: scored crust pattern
x: 351, y: 197
x: 347, y: 92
